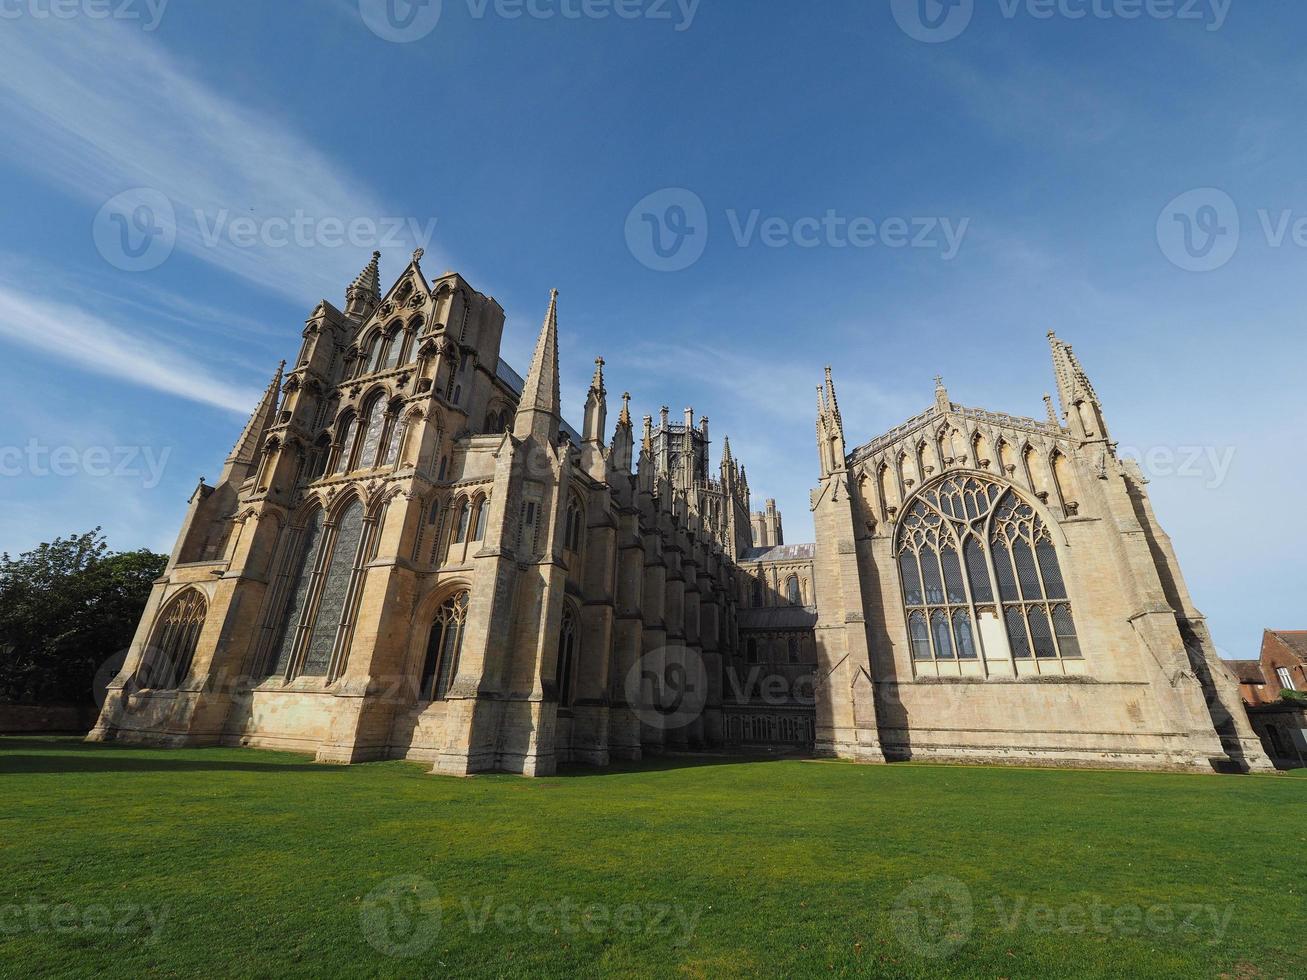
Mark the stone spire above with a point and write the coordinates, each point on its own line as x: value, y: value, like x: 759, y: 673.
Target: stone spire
x: 1080, y: 404
x: 265, y: 416
x: 646, y: 438
x: 596, y: 407
x: 726, y: 451
x: 539, y: 412
x: 364, y: 293
x: 624, y: 438
x: 836, y: 419
x: 1072, y: 382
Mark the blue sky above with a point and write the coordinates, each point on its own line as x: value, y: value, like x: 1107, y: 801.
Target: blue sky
x: 1056, y: 148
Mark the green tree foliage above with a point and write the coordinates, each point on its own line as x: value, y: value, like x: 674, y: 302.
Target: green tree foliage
x: 66, y: 608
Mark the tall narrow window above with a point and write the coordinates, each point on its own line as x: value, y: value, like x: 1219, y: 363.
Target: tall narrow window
x: 374, y: 420
x: 566, y: 659
x: 298, y: 580
x: 334, y: 591
x: 444, y: 645
x: 970, y: 545
x: 792, y: 595
x: 479, y: 520
x: 460, y: 526
x: 168, y: 658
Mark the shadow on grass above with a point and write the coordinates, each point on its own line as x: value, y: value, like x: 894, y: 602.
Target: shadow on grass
x: 670, y: 761
x: 60, y: 755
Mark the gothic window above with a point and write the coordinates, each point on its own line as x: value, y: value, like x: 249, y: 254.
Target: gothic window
x: 757, y: 592
x: 751, y: 645
x: 372, y: 359
x: 336, y: 580
x: 460, y: 525
x: 373, y: 421
x: 792, y: 595
x: 792, y: 646
x: 392, y: 438
x: 298, y: 577
x: 318, y: 458
x: 172, y: 649
x: 970, y: 547
x: 566, y: 658
x: 574, y: 526
x: 348, y: 430
x: 395, y: 343
x: 444, y: 467
x: 443, y: 647
x: 479, y: 519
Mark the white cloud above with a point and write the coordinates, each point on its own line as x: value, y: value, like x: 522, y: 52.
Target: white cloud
x: 97, y: 345
x: 98, y: 108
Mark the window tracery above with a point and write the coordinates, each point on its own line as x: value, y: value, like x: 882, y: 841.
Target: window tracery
x: 971, y: 546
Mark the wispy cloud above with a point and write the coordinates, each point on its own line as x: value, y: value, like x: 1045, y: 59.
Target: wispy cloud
x: 99, y: 346
x: 97, y: 108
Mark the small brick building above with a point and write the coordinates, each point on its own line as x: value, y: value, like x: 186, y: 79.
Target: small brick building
x: 1279, y: 721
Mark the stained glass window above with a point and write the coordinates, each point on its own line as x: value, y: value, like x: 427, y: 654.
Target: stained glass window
x: 966, y: 542
x: 299, y: 578
x: 336, y: 578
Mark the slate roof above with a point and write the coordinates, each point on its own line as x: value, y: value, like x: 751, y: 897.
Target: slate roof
x: 781, y: 552
x: 1246, y: 671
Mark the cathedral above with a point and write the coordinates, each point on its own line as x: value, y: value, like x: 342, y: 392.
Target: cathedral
x: 409, y: 553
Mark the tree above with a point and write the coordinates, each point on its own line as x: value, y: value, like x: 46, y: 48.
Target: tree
x: 66, y: 608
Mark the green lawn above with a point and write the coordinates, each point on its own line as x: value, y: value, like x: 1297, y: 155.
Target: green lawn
x: 122, y: 862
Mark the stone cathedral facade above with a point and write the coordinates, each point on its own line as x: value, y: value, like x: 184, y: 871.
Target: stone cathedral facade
x: 410, y: 554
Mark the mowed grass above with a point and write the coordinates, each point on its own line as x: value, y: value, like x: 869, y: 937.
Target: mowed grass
x: 119, y: 861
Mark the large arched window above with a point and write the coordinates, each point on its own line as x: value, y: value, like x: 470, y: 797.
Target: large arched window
x: 168, y: 659
x: 443, y: 648
x: 566, y: 658
x: 972, y: 553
